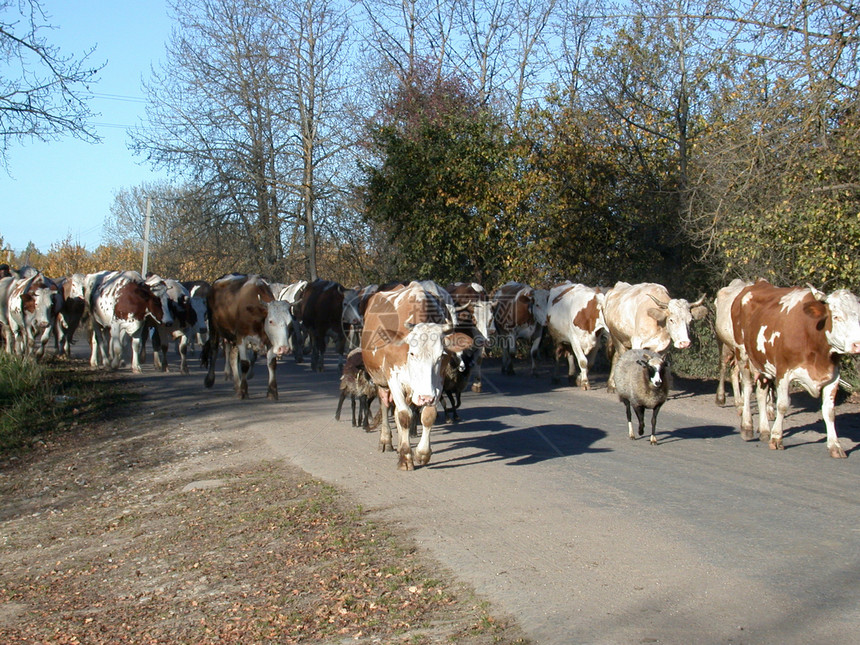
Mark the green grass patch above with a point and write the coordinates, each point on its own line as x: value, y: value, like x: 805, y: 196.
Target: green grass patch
x: 37, y: 399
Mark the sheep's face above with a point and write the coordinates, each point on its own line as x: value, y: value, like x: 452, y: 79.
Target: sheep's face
x: 655, y: 367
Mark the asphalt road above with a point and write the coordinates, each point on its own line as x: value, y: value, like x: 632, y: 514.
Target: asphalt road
x: 540, y: 501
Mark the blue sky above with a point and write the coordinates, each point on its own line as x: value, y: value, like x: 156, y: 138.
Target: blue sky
x: 67, y: 187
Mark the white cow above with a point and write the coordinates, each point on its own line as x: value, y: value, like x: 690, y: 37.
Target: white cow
x: 723, y: 329
x: 576, y: 325
x: 32, y: 306
x: 643, y: 316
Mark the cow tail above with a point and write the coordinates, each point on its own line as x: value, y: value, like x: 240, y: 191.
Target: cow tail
x: 205, y: 355
x: 377, y: 419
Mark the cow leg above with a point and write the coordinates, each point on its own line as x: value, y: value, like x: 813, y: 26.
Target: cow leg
x: 535, y: 349
x: 116, y: 346
x: 385, y: 402
x: 423, y: 451
x: 782, y: 400
x: 135, y: 351
x: 240, y: 365
x: 184, y: 342
x: 210, y: 353
x: 403, y: 418
x: 736, y: 389
x: 746, y: 412
x: 340, y: 405
x: 272, y: 363
x: 617, y: 350
x: 764, y: 431
x: 355, y: 421
x: 477, y: 385
x: 654, y: 424
x: 725, y: 357
x: 582, y: 363
x: 828, y: 413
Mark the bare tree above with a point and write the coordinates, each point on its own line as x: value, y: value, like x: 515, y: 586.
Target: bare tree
x: 216, y: 116
x: 312, y: 37
x: 42, y: 91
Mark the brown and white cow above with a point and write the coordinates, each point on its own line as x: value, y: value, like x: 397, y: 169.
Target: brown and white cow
x: 519, y: 311
x: 791, y: 333
x: 244, y: 313
x: 32, y: 306
x: 643, y: 316
x: 198, y: 291
x: 725, y: 334
x: 474, y: 318
x: 575, y: 323
x: 323, y: 315
x: 72, y: 312
x: 405, y: 341
x: 120, y: 304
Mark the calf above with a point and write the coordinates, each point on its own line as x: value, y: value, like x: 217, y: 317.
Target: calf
x: 245, y: 314
x: 356, y: 383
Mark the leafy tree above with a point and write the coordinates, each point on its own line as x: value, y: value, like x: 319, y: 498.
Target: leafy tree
x: 434, y: 189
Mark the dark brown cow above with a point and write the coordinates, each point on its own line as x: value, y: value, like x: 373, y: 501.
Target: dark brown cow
x: 244, y: 313
x: 474, y: 318
x: 71, y: 314
x: 323, y: 315
x: 519, y: 312
x: 785, y: 334
x: 405, y: 343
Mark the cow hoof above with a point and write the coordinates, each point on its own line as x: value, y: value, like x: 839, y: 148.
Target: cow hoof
x: 610, y: 389
x: 405, y: 463
x: 764, y: 435
x: 386, y: 447
x: 272, y: 396
x: 422, y: 459
x: 585, y: 386
x: 775, y: 445
x: 653, y: 440
x: 476, y: 387
x: 836, y: 452
x: 747, y: 434
x: 721, y: 400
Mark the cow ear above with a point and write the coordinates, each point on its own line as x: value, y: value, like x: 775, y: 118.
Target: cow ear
x: 457, y: 342
x: 657, y: 313
x: 699, y: 312
x: 816, y: 310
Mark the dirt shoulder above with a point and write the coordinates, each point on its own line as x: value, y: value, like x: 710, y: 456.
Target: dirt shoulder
x: 151, y: 527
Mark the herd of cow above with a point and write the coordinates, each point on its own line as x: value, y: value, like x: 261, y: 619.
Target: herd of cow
x: 416, y: 343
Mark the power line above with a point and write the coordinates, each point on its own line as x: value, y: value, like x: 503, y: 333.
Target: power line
x: 118, y: 97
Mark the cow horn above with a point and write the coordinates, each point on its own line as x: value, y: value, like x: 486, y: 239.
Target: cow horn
x: 662, y: 305
x: 698, y: 302
x: 819, y: 295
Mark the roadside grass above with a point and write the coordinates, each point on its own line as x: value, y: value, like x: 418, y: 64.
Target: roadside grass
x: 40, y: 398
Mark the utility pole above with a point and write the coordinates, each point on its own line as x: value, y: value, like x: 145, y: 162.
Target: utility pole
x: 146, y: 237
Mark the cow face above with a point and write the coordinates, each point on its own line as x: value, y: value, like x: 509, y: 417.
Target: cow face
x: 423, y: 368
x: 277, y: 327
x: 675, y: 316
x: 158, y: 302
x: 844, y: 335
